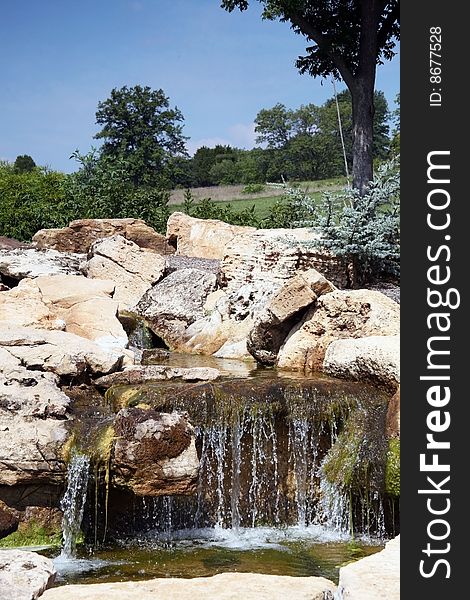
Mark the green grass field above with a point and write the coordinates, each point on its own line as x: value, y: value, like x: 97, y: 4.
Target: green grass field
x: 233, y: 196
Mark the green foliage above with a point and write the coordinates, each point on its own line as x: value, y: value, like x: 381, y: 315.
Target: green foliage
x: 208, y: 209
x: 104, y: 187
x: 30, y: 201
x: 253, y: 188
x: 24, y: 164
x: 140, y: 127
x: 33, y: 534
x: 392, y: 470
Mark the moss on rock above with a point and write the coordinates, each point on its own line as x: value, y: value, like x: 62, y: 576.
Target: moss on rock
x: 392, y: 470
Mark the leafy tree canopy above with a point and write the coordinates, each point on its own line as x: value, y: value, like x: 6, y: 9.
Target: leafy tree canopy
x: 139, y: 125
x: 24, y: 164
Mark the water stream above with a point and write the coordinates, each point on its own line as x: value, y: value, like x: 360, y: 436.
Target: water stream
x: 73, y: 503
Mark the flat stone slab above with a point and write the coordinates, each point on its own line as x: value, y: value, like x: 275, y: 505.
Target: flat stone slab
x: 24, y: 575
x: 226, y: 586
x: 375, y: 577
x: 142, y: 374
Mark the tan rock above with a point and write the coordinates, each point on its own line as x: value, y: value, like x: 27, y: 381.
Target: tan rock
x: 33, y: 413
x: 392, y: 423
x: 154, y: 453
x: 376, y: 577
x: 132, y: 269
x: 225, y: 586
x: 80, y: 235
x: 66, y: 302
x: 374, y: 358
x: 337, y: 315
x: 57, y: 351
x: 275, y: 321
x: 24, y: 575
x: 203, y: 238
x: 9, y: 520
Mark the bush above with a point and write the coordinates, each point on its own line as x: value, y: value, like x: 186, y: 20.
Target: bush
x: 30, y: 201
x: 253, y: 188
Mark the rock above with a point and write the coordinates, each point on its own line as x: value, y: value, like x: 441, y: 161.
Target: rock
x: 375, y: 577
x: 33, y: 413
x: 375, y: 359
x: 154, y: 356
x: 279, y: 315
x: 392, y: 423
x: 174, y: 262
x: 80, y: 235
x: 267, y: 258
x: 170, y: 306
x: 59, y: 352
x: 24, y: 575
x: 4, y: 288
x: 66, y: 302
x: 141, y: 374
x: 202, y: 238
x: 20, y: 263
x: 132, y: 269
x: 339, y: 314
x: 225, y: 586
x: 154, y: 453
x: 11, y: 244
x: 9, y: 520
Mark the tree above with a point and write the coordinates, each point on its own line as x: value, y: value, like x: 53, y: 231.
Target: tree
x: 350, y: 37
x: 24, y: 164
x: 140, y: 127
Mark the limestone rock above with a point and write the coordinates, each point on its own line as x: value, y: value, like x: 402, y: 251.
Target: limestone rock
x: 337, y: 315
x: 60, y: 352
x: 141, y: 374
x: 392, y: 423
x: 277, y: 318
x: 28, y: 262
x: 154, y: 453
x: 66, y: 302
x: 24, y: 575
x: 33, y: 413
x: 80, y: 235
x: 9, y: 520
x: 264, y: 260
x: 225, y: 586
x: 132, y: 269
x: 375, y: 577
x: 170, y: 306
x: 203, y: 238
x: 7, y: 243
x: 174, y: 262
x: 374, y: 358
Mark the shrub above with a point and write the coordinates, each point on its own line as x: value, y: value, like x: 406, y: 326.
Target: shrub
x: 253, y: 188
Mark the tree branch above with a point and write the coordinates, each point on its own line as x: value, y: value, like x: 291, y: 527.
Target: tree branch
x: 324, y: 44
x: 387, y: 24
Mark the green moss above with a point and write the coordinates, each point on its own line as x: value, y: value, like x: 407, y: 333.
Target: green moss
x: 343, y: 458
x: 32, y: 534
x: 392, y: 471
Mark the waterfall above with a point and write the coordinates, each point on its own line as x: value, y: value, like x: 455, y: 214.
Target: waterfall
x: 73, y: 503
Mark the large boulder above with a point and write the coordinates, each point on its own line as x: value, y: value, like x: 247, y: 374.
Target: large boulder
x: 375, y: 359
x: 376, y: 577
x: 20, y: 263
x: 224, y: 586
x: 59, y: 352
x: 203, y: 238
x: 154, y: 453
x: 337, y: 315
x: 176, y: 302
x: 76, y: 304
x: 80, y: 235
x: 282, y: 311
x: 24, y: 575
x: 33, y: 415
x: 132, y: 269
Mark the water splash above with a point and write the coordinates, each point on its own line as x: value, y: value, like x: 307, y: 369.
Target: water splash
x: 73, y: 503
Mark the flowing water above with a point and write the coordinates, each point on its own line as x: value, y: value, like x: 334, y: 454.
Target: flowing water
x: 263, y: 503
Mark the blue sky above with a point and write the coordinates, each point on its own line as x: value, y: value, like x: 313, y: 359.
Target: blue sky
x: 58, y: 58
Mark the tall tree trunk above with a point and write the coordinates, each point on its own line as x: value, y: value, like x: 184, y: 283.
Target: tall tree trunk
x: 363, y: 132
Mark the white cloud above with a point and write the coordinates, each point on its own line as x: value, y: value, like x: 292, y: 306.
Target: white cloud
x: 240, y: 135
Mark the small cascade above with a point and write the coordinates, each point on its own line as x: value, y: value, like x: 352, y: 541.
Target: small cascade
x: 73, y: 503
